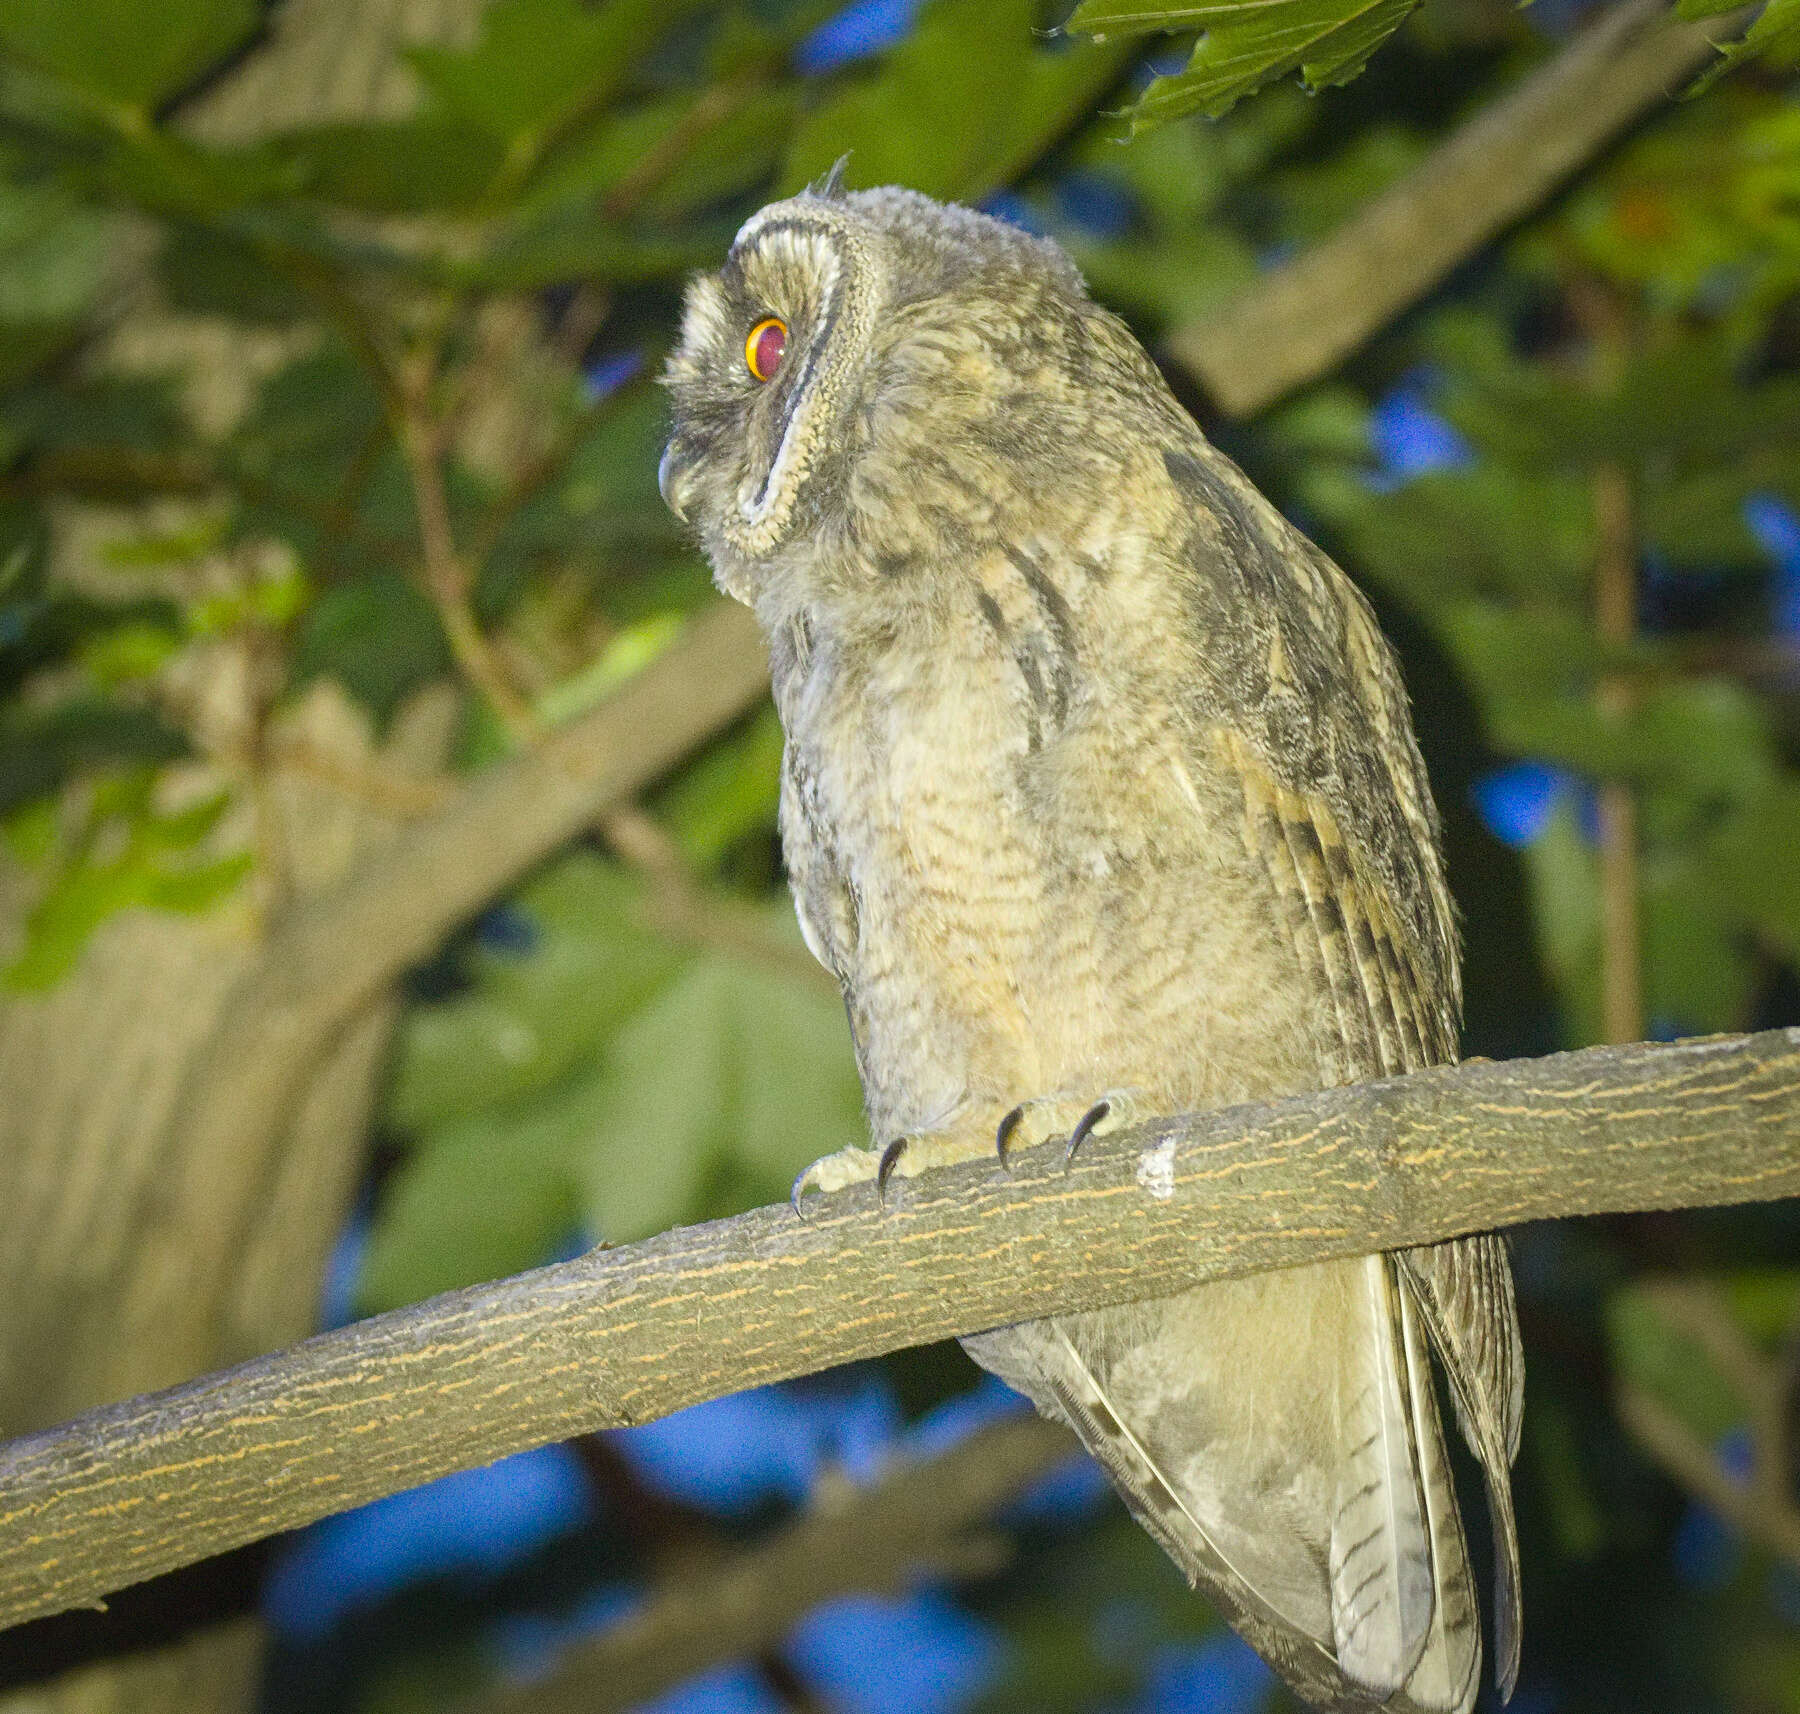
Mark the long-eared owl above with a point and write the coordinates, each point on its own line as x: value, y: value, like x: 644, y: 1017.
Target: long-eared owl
x: 1101, y: 799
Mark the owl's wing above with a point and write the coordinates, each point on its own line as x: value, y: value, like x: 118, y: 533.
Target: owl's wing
x: 1337, y: 858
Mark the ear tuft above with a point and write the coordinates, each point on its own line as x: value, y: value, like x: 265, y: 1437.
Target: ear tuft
x: 831, y: 187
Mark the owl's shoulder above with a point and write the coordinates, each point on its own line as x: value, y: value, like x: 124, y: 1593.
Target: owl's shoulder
x: 1291, y: 661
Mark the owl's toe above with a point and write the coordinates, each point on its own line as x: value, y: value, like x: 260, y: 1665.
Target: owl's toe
x: 890, y: 1158
x: 836, y: 1172
x: 1049, y: 1116
x: 804, y: 1180
x: 1008, y: 1129
x: 1085, y: 1127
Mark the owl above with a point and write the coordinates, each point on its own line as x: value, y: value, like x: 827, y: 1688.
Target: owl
x: 1100, y: 800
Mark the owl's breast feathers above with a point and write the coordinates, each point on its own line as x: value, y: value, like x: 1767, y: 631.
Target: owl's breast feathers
x: 1121, y: 790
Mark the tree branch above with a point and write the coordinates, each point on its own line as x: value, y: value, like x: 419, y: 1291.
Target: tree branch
x: 335, y: 952
x: 623, y: 1336
x: 914, y: 1519
x: 1685, y: 1457
x: 1298, y: 322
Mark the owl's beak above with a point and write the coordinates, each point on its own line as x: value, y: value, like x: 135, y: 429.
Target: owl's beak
x: 674, y: 477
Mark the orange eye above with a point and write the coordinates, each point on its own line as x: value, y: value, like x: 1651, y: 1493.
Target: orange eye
x: 764, y: 347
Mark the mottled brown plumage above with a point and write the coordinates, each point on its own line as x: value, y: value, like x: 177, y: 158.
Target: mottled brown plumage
x: 1100, y: 782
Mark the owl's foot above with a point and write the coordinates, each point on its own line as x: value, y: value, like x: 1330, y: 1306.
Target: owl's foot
x: 908, y: 1155
x: 1045, y: 1117
x: 834, y: 1172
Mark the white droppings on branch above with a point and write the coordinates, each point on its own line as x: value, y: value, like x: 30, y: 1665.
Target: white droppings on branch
x: 1156, y: 1169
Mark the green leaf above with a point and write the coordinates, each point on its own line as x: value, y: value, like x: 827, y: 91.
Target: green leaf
x: 1649, y: 1353
x: 1556, y: 1464
x: 378, y: 637
x: 1246, y: 44
x: 1104, y: 18
x: 731, y: 1062
x: 968, y: 101
x: 604, y: 1071
x: 659, y: 1127
x: 1699, y: 963
x: 710, y: 146
x: 490, y: 1195
x: 127, y: 854
x: 607, y: 504
x: 1488, y: 530
x: 1766, y: 1302
x: 728, y: 793
x: 1774, y: 35
x: 571, y: 244
x: 529, y: 1019
x: 99, y: 418
x: 135, y: 650
x: 41, y: 748
x: 1709, y: 737
x: 539, y: 62
x: 54, y: 254
x: 1750, y: 861
x: 1563, y: 875
x: 133, y: 52
x: 167, y: 174
x: 208, y: 271
x: 428, y: 162
x: 629, y: 652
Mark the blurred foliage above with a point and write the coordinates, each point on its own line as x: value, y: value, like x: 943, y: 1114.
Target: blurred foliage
x: 462, y: 310
x: 1242, y: 46
x: 545, y: 1096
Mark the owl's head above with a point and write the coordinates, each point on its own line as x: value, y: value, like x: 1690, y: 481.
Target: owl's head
x: 839, y: 322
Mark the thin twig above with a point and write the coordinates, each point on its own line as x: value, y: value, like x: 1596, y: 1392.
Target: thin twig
x: 1682, y: 1454
x: 710, y: 109
x: 423, y: 440
x: 1696, y: 1309
x: 1615, y: 620
x: 381, y: 788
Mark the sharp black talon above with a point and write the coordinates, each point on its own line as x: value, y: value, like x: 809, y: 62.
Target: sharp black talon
x: 1083, y: 1129
x: 1004, y: 1136
x: 798, y: 1194
x: 890, y: 1158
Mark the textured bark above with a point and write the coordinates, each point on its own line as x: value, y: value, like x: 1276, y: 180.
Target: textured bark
x: 336, y: 953
x: 92, y: 1155
x: 1299, y: 321
x: 623, y: 1336
x: 96, y: 1168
